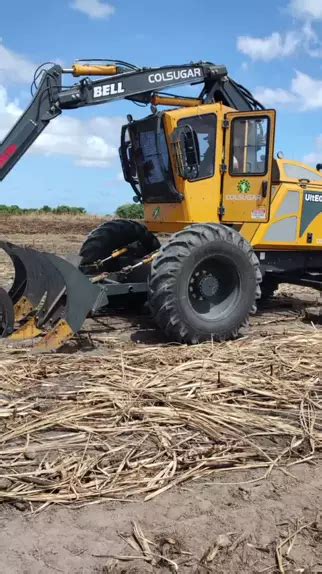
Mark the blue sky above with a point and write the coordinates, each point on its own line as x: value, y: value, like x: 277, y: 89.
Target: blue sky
x: 274, y: 48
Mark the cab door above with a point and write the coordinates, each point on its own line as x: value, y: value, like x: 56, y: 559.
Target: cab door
x: 247, y: 166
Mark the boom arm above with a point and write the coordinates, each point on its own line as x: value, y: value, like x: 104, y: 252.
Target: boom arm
x: 33, y: 121
x: 139, y: 85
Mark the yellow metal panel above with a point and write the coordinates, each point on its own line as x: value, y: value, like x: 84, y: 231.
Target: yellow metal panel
x: 314, y: 175
x: 56, y: 338
x: 202, y: 197
x: 28, y: 331
x: 248, y: 230
x: 259, y: 239
x: 242, y: 193
x: 22, y: 308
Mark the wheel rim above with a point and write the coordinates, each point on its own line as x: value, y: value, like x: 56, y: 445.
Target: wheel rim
x: 214, y: 287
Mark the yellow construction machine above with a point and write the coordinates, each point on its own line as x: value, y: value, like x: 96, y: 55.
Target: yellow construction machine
x: 235, y: 220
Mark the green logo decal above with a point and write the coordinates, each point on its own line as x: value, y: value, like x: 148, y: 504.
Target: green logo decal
x: 243, y: 186
x: 156, y: 213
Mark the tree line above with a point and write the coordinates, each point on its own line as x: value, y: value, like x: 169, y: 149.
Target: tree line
x: 126, y: 211
x: 59, y: 210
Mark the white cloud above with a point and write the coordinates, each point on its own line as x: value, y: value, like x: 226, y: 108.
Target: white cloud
x: 310, y: 41
x: 306, y: 9
x: 9, y: 112
x: 305, y: 93
x: 95, y: 9
x: 266, y: 49
x: 271, y: 97
x: 277, y: 46
x: 315, y: 156
x: 308, y: 91
x: 15, y: 68
x: 82, y: 140
x: 90, y: 143
x: 245, y: 66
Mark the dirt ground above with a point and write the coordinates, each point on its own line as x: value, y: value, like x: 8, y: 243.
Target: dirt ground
x: 233, y: 523
x: 249, y: 520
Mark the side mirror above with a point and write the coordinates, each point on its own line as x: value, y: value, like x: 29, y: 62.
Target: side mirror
x: 187, y: 151
x: 318, y: 166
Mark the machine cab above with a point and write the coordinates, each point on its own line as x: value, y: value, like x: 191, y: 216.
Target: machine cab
x: 201, y: 164
x: 154, y: 151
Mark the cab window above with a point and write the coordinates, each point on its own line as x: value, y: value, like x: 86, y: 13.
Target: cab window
x: 204, y: 128
x: 250, y: 146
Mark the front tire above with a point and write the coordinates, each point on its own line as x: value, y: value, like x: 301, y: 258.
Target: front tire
x: 204, y: 284
x: 114, y: 235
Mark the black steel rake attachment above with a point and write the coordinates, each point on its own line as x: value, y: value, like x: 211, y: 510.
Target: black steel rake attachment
x: 49, y: 299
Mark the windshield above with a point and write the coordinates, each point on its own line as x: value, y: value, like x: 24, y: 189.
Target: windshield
x: 151, y: 157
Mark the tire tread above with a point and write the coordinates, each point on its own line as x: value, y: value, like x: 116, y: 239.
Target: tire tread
x: 163, y: 278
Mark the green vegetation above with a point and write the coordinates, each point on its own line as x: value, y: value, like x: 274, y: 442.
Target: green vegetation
x: 126, y: 211
x: 130, y: 211
x: 59, y: 210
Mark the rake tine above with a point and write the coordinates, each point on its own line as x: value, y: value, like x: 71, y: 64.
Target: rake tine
x: 30, y: 283
x: 6, y: 314
x: 27, y: 331
x: 37, y: 285
x: 49, y: 295
x: 70, y: 308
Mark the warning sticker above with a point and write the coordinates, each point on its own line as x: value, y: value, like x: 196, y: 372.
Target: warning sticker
x: 259, y: 213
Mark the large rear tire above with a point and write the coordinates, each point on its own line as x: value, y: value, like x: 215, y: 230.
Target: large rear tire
x: 204, y: 284
x: 113, y: 235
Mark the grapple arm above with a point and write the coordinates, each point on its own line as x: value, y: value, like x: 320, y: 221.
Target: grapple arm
x: 43, y: 108
x: 51, y: 98
x: 138, y: 85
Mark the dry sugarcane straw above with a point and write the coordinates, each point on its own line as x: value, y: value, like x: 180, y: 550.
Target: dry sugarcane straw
x: 87, y: 428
